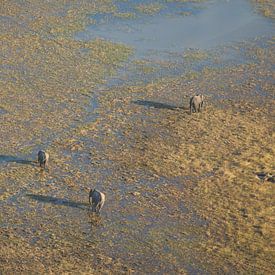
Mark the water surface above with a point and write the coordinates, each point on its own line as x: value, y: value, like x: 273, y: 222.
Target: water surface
x: 209, y: 25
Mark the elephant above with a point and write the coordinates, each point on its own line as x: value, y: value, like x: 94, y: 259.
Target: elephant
x: 96, y: 200
x: 196, y: 103
x: 43, y: 158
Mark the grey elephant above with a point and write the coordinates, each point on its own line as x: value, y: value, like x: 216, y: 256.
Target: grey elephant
x: 43, y: 158
x: 96, y: 200
x: 196, y: 103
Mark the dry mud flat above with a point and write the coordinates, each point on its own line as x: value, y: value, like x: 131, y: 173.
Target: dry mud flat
x: 183, y: 194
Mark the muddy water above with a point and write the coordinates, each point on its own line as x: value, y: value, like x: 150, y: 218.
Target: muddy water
x: 147, y: 224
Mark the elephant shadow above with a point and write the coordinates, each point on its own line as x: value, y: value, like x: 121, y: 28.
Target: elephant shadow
x: 14, y: 159
x: 58, y: 201
x: 158, y: 105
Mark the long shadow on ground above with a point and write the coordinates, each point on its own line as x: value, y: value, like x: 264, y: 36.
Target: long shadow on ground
x: 5, y: 158
x: 57, y: 201
x: 154, y: 104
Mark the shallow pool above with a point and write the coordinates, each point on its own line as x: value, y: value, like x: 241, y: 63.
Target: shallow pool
x: 180, y: 26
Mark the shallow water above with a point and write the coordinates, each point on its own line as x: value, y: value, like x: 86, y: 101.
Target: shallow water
x: 181, y: 37
x: 57, y: 198
x: 209, y: 25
